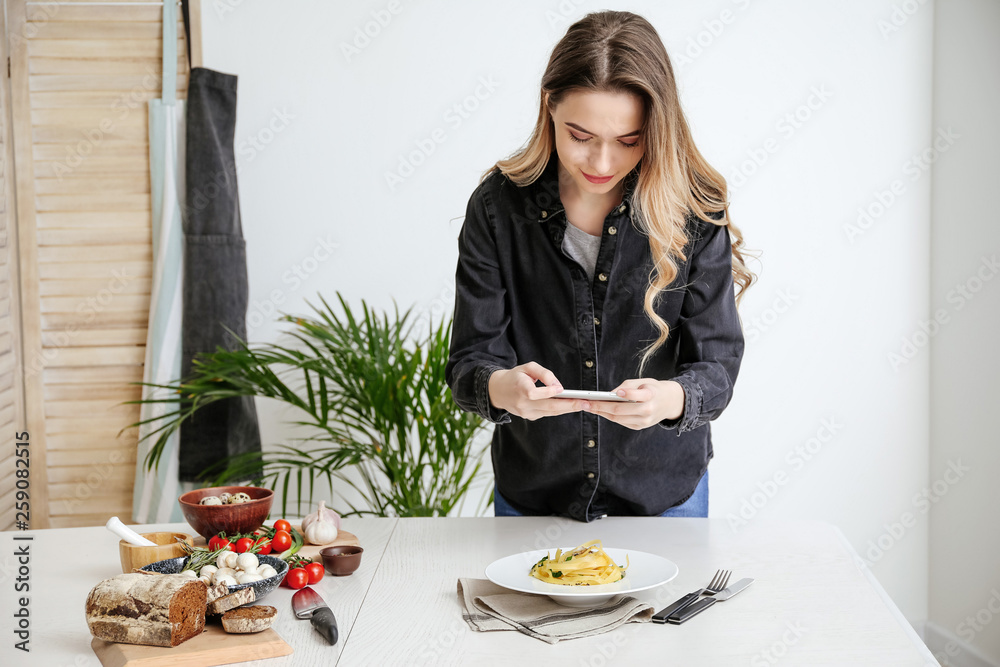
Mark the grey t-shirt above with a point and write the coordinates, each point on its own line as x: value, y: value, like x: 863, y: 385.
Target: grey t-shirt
x: 582, y: 247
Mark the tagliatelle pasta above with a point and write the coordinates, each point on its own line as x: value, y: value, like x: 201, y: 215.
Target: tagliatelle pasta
x: 586, y: 565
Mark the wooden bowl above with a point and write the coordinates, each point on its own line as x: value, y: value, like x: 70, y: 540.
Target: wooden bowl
x: 342, y: 560
x: 136, y: 557
x: 209, y: 520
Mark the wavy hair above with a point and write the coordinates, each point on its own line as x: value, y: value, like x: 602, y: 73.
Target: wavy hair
x: 621, y: 52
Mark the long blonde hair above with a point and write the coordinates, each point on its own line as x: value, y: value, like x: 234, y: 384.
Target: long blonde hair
x: 620, y: 52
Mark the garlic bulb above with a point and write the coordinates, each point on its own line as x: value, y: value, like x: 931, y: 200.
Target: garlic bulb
x: 328, y: 532
x: 321, y: 526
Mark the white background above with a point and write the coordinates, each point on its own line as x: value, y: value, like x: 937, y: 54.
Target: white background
x: 318, y: 130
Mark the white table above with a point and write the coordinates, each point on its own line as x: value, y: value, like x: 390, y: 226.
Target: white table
x: 812, y: 603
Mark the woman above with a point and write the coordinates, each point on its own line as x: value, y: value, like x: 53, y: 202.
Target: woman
x: 599, y: 257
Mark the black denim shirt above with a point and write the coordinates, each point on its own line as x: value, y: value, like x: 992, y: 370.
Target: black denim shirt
x: 520, y: 298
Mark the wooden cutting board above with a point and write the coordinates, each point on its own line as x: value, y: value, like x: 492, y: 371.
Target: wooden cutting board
x: 213, y: 647
x: 344, y: 538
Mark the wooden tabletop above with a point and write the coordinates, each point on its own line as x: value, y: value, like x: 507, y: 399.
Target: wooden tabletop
x: 813, y: 602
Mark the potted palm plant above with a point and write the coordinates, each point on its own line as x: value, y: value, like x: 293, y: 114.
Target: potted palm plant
x: 373, y: 397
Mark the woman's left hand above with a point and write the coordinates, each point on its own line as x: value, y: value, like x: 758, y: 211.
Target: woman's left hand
x: 655, y: 400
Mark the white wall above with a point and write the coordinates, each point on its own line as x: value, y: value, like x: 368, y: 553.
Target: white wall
x: 830, y: 307
x: 965, y: 230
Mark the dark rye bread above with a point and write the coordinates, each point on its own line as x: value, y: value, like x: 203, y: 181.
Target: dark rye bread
x: 248, y: 619
x: 139, y: 609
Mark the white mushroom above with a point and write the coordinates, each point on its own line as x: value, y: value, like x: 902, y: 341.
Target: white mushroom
x: 207, y: 571
x: 247, y: 578
x: 247, y: 562
x: 226, y: 579
x: 226, y: 559
x: 266, y: 571
x: 224, y: 572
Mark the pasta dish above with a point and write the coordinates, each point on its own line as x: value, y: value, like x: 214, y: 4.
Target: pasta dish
x: 586, y: 565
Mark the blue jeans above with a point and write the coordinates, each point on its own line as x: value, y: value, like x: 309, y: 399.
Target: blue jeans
x: 695, y: 506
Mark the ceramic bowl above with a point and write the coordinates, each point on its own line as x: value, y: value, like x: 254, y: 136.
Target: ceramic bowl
x: 341, y: 560
x: 260, y: 588
x: 133, y: 556
x: 209, y: 520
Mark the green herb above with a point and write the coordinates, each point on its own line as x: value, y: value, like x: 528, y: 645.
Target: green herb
x: 557, y: 574
x: 569, y: 558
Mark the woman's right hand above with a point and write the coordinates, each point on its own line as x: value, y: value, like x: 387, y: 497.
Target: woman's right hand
x: 514, y: 390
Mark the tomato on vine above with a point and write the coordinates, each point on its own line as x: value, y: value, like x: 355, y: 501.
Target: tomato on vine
x: 315, y: 572
x: 297, y: 578
x: 244, y: 544
x: 281, y: 524
x: 281, y: 541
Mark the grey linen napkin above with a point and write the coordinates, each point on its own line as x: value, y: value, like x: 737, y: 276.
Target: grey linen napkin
x: 487, y: 607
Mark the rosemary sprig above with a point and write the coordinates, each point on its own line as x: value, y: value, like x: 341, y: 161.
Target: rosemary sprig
x: 198, y: 557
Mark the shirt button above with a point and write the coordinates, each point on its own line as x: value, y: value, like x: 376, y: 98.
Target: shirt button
x: 621, y: 209
x: 603, y: 277
x: 612, y: 231
x: 597, y: 322
x: 589, y: 363
x: 545, y: 214
x: 591, y: 443
x: 590, y: 475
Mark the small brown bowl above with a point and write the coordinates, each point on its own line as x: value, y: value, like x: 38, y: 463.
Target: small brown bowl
x: 133, y: 556
x: 209, y: 520
x: 342, y: 560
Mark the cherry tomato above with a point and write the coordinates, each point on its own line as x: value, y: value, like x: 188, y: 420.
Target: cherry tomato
x: 281, y: 524
x: 264, y: 544
x: 281, y: 541
x: 297, y: 578
x: 219, y: 542
x: 315, y: 571
x: 243, y: 545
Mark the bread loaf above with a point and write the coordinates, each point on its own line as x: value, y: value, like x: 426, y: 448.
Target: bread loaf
x: 248, y: 619
x: 139, y: 609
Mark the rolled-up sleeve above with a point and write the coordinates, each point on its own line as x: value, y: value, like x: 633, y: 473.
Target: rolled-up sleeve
x: 710, y: 336
x: 479, y: 343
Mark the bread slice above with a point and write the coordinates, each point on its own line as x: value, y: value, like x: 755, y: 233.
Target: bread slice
x: 217, y: 591
x: 139, y: 609
x: 233, y: 600
x: 249, y: 619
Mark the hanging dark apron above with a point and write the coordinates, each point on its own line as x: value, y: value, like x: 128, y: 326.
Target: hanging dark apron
x: 215, y: 269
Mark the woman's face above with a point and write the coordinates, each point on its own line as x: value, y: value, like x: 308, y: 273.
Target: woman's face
x: 598, y: 138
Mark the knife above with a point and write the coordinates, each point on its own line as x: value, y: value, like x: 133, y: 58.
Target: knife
x: 701, y: 605
x: 307, y: 603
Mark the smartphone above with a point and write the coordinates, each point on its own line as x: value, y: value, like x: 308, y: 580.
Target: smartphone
x: 592, y: 395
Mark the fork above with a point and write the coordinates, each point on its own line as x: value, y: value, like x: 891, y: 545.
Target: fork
x: 717, y: 584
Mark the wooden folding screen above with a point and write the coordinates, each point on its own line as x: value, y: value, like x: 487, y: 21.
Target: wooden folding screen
x: 81, y: 76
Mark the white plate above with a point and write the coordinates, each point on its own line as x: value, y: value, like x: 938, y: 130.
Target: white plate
x: 645, y: 571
